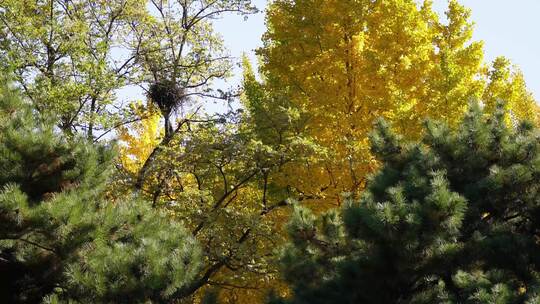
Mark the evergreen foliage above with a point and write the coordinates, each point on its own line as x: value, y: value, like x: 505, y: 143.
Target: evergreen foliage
x: 452, y: 219
x: 61, y: 239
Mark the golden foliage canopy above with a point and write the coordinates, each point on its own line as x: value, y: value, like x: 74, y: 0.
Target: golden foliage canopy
x: 345, y: 63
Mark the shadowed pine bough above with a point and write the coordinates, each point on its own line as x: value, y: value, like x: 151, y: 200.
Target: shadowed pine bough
x: 62, y: 239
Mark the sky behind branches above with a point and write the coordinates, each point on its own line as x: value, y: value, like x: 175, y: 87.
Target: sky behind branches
x: 508, y: 28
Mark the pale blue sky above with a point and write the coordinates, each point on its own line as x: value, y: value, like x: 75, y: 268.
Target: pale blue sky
x: 509, y: 28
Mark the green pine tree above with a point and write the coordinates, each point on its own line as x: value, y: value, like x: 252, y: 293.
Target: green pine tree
x: 61, y: 240
x: 452, y: 219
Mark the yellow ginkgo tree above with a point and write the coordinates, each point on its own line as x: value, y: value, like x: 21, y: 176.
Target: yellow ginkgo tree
x: 140, y: 139
x: 345, y: 63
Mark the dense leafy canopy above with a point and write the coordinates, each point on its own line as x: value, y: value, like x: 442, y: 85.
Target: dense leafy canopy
x: 346, y: 63
x: 215, y: 175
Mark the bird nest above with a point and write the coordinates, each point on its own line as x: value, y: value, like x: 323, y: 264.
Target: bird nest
x: 167, y: 95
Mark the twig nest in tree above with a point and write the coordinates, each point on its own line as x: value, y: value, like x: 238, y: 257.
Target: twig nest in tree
x: 167, y: 95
